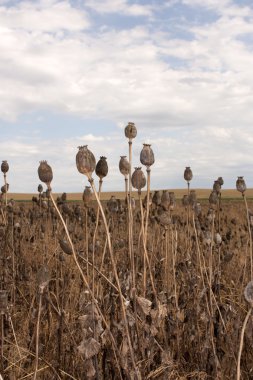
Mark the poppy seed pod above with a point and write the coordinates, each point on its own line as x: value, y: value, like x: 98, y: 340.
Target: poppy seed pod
x: 147, y: 157
x: 192, y: 197
x: 138, y: 179
x: 65, y: 246
x: 113, y: 205
x: 165, y: 218
x: 221, y: 181
x: 185, y: 200
x: 240, y: 185
x: 188, y: 174
x: 213, y: 198
x: 156, y: 200
x: 197, y: 208
x: 124, y: 166
x: 5, y: 188
x: 217, y: 186
x: 101, y: 168
x: 130, y: 131
x: 85, y: 161
x: 4, y: 167
x: 45, y: 172
x: 87, y: 195
x: 165, y: 200
x: 40, y: 188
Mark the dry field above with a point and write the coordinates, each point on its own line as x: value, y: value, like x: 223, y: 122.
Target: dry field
x: 202, y: 194
x: 168, y: 304
x: 126, y: 286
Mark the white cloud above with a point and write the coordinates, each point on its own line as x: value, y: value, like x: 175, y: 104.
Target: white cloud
x: 199, y: 89
x: 120, y: 6
x: 43, y: 16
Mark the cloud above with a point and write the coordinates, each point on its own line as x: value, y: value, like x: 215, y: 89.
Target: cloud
x: 187, y: 93
x: 120, y: 7
x: 43, y: 16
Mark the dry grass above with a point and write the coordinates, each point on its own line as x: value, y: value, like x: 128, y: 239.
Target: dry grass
x: 202, y: 194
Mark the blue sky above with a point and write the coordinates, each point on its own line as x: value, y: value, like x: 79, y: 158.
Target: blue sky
x: 76, y: 72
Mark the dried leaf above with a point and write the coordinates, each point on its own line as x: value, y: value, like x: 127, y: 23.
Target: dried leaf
x: 144, y: 304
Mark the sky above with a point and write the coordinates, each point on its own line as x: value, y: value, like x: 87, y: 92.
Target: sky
x: 76, y: 72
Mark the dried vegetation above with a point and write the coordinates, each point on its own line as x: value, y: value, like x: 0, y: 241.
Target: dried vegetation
x: 149, y: 289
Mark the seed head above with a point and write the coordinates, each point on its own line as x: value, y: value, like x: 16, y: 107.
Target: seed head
x: 156, y: 198
x: 188, y: 174
x: 45, y: 173
x: 130, y: 131
x: 87, y: 196
x: 147, y: 157
x: 4, y: 167
x: 165, y: 200
x: 85, y: 161
x: 192, y: 197
x: 138, y: 179
x: 217, y: 186
x: 65, y: 246
x: 213, y: 198
x: 102, y: 168
x: 124, y: 166
x: 5, y: 188
x: 40, y: 188
x: 240, y: 185
x: 113, y: 205
x: 185, y: 200
x: 221, y: 181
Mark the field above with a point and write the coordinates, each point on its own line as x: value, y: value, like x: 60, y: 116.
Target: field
x: 202, y: 194
x: 137, y: 298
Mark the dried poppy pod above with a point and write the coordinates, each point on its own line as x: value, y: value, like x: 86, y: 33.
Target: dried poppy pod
x: 165, y: 200
x: 65, y: 246
x: 40, y: 188
x: 138, y: 179
x: 197, y: 208
x: 101, y: 168
x: 213, y: 198
x: 64, y: 197
x: 147, y: 157
x: 217, y: 186
x: 221, y: 181
x: 4, y: 167
x: 124, y: 166
x: 85, y: 161
x: 113, y: 205
x: 5, y: 188
x: 248, y: 293
x: 240, y: 185
x: 130, y: 131
x: 156, y: 200
x: 185, y: 201
x: 165, y: 218
x: 192, y: 197
x: 45, y: 173
x: 188, y: 174
x: 87, y: 196
x: 172, y: 200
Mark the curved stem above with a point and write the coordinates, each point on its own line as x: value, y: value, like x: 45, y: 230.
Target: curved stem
x: 250, y: 236
x: 116, y: 277
x: 37, y: 338
x: 87, y: 284
x: 241, y: 344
